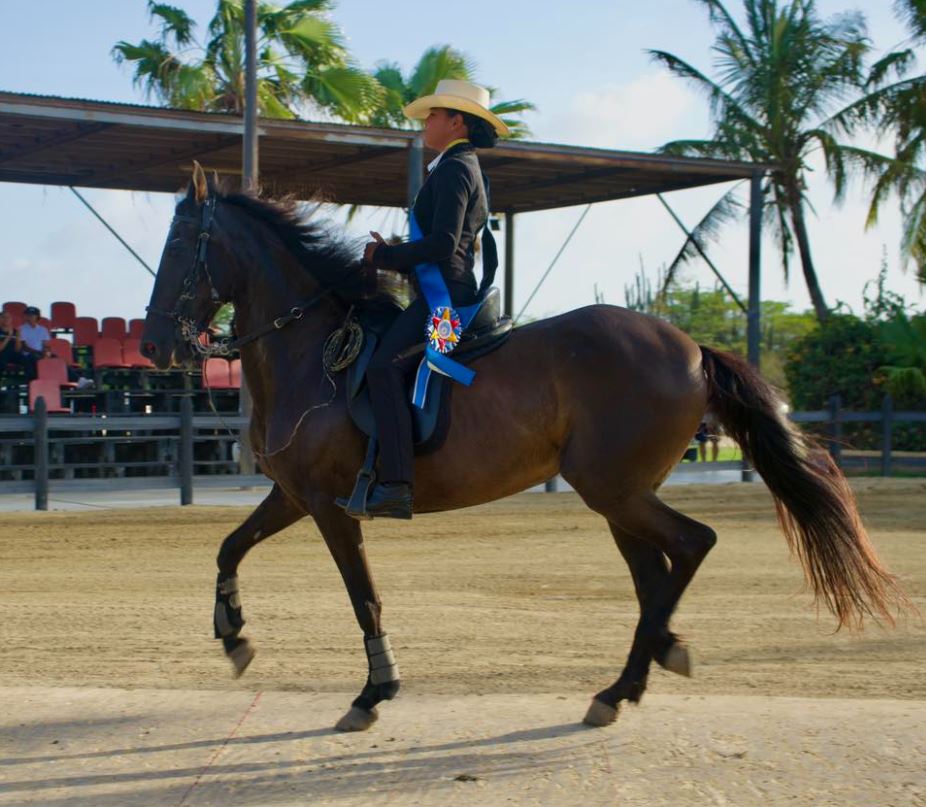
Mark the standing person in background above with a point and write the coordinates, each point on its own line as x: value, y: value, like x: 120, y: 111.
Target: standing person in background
x: 708, y: 432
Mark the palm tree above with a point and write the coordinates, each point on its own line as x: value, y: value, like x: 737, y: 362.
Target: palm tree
x: 437, y: 63
x: 778, y: 80
x: 896, y: 102
x: 302, y: 60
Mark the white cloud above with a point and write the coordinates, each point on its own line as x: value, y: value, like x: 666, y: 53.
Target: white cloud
x: 640, y: 114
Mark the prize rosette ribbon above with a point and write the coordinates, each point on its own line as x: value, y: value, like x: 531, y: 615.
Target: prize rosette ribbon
x: 444, y: 329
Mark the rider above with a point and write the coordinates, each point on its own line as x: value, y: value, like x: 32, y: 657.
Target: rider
x: 451, y: 209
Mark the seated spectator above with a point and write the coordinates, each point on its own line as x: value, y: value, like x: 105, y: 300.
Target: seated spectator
x: 11, y: 348
x: 34, y: 336
x: 35, y: 339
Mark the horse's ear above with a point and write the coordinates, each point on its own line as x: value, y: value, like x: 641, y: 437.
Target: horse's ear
x: 199, y: 183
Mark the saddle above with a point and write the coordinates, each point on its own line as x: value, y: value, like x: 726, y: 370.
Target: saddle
x: 487, y: 332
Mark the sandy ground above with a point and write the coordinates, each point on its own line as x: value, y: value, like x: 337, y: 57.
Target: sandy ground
x: 513, y: 614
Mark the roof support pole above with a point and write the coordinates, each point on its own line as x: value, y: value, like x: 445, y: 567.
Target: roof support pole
x: 753, y: 323
x: 415, y: 168
x: 249, y: 182
x: 509, y: 263
x: 249, y: 157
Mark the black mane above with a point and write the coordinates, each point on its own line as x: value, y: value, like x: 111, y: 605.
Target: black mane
x: 324, y: 253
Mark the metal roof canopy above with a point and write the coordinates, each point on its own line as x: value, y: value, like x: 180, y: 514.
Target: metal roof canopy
x: 61, y: 141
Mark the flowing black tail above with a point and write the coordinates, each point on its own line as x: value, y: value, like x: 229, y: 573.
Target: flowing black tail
x: 816, y: 507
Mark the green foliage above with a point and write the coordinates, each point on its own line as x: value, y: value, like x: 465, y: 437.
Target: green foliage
x: 302, y: 62
x: 437, y: 63
x: 895, y: 103
x: 711, y: 317
x: 861, y: 359
x: 779, y: 79
x: 840, y: 357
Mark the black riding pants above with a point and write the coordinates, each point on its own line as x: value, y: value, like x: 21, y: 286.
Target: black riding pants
x: 389, y: 393
x: 389, y: 382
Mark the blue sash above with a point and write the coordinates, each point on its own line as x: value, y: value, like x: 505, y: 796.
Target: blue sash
x: 435, y: 292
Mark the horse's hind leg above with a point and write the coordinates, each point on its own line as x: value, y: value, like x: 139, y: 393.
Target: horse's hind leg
x: 344, y: 538
x: 648, y: 532
x: 273, y: 514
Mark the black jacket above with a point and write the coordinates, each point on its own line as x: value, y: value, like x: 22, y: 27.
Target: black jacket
x: 451, y: 208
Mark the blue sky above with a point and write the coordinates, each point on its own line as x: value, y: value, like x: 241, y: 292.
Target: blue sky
x: 584, y: 66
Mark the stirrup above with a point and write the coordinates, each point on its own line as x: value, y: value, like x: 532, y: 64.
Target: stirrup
x: 356, y: 505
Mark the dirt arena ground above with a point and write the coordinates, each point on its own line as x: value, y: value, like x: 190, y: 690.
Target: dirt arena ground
x: 526, y: 596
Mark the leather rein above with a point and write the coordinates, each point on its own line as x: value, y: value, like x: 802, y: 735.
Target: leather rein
x: 190, y: 329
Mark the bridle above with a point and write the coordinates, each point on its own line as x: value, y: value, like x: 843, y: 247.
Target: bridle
x: 190, y: 329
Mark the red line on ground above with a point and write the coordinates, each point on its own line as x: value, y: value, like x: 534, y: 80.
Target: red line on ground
x: 220, y: 749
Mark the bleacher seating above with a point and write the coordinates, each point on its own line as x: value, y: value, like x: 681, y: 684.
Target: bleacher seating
x: 107, y: 355
x: 216, y: 374
x: 136, y: 327
x: 234, y: 373
x: 51, y: 392
x: 62, y: 349
x: 131, y: 355
x: 63, y: 315
x: 113, y: 328
x: 86, y: 331
x: 54, y: 370
x: 125, y: 380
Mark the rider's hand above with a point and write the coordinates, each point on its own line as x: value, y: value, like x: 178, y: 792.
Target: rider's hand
x: 368, y: 251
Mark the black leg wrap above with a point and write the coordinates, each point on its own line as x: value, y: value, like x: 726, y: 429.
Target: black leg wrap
x: 231, y: 643
x: 375, y: 693
x: 227, y: 620
x: 383, y: 679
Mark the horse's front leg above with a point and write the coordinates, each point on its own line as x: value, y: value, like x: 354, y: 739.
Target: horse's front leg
x: 274, y: 513
x: 344, y: 538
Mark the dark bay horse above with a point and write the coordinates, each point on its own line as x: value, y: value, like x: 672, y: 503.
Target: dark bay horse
x: 604, y: 396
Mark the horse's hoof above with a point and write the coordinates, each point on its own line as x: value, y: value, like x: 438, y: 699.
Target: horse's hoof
x: 600, y: 714
x: 241, y: 657
x: 678, y: 660
x: 357, y: 719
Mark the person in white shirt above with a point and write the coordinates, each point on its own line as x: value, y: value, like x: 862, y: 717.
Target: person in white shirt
x: 35, y: 337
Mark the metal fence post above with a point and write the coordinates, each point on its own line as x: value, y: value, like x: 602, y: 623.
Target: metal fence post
x: 836, y: 429
x: 186, y: 450
x: 40, y: 442
x: 887, y: 426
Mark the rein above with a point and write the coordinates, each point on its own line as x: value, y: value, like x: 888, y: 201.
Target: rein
x: 340, y: 349
x: 191, y: 330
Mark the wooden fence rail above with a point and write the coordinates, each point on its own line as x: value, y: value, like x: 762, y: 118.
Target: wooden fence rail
x: 45, y: 437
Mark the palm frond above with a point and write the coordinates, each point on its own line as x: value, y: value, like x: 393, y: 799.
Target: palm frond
x: 728, y: 208
x: 440, y: 62
x: 175, y: 22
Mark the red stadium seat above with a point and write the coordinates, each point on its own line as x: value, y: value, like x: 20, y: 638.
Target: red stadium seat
x: 131, y: 355
x: 46, y: 322
x: 14, y: 307
x: 113, y: 328
x: 54, y: 370
x: 107, y: 354
x: 136, y: 327
x: 16, y: 311
x: 50, y: 391
x: 216, y: 374
x: 234, y: 373
x: 61, y: 348
x: 86, y: 331
x: 63, y: 316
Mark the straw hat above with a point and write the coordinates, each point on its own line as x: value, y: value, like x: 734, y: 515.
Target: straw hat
x: 460, y: 95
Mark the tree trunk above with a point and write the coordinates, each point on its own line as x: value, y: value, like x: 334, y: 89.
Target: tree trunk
x: 803, y: 246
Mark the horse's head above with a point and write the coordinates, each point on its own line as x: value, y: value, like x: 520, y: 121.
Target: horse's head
x: 188, y: 290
